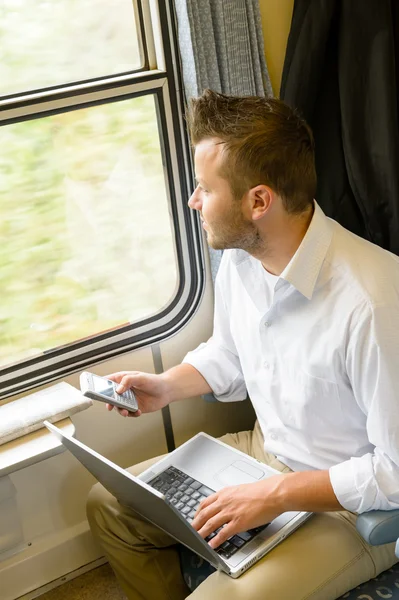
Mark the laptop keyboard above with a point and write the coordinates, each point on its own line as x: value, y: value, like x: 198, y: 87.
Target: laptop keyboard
x: 186, y: 493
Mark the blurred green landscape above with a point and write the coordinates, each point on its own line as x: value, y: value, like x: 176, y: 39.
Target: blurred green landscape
x: 85, y: 234
x: 45, y: 43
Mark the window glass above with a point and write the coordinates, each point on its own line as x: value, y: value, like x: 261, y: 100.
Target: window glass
x: 86, y: 241
x: 49, y: 42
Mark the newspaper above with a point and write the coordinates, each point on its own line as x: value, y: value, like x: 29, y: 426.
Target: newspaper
x: 20, y: 417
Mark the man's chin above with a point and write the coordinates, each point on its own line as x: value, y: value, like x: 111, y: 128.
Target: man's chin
x: 218, y: 243
x: 215, y: 244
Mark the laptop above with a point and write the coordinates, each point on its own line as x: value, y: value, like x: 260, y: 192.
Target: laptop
x: 168, y: 493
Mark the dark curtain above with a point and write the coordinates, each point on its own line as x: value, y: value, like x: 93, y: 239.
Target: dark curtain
x: 341, y: 71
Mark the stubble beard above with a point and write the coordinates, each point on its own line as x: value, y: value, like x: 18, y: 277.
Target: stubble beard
x: 235, y: 232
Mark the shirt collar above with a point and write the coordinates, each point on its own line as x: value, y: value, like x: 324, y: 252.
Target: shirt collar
x: 304, y: 267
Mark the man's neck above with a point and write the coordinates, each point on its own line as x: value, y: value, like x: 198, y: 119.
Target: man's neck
x: 283, y: 241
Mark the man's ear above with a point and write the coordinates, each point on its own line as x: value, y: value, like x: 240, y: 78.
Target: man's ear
x: 259, y: 200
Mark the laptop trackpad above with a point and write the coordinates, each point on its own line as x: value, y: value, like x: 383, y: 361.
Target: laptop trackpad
x: 239, y: 472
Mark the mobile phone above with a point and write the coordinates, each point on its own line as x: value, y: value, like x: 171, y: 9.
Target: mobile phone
x: 100, y: 388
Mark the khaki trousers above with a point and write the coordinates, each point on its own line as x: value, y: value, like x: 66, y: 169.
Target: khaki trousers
x: 322, y: 560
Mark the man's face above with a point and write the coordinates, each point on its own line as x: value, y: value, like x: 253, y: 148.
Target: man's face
x: 221, y: 213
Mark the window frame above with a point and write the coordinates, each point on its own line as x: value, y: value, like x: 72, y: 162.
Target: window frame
x: 165, y: 83
x: 145, y: 42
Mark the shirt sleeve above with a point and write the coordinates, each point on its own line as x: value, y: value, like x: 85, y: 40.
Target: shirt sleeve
x: 217, y: 360
x: 371, y: 481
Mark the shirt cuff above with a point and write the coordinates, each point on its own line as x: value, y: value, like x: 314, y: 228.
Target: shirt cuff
x: 354, y: 485
x: 227, y: 382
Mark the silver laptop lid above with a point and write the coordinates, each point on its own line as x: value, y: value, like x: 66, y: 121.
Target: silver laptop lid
x: 145, y: 500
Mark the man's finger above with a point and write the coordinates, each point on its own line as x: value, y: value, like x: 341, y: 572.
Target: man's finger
x: 126, y: 413
x: 117, y: 377
x: 204, y: 513
x: 224, y: 534
x: 213, y: 522
x: 123, y: 412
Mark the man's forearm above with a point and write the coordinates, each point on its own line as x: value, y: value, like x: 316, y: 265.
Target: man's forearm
x: 307, y: 490
x: 184, y: 381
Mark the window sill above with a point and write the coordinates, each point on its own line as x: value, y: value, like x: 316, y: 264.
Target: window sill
x: 32, y: 448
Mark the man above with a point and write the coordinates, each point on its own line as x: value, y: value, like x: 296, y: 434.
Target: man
x: 306, y: 316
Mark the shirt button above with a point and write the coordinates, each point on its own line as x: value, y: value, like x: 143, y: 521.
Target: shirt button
x: 266, y: 365
x: 274, y: 436
x: 267, y: 324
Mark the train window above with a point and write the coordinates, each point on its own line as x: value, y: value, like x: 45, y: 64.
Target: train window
x: 44, y: 43
x: 83, y: 252
x: 99, y: 252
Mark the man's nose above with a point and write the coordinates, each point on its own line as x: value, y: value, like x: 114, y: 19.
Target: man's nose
x: 195, y: 199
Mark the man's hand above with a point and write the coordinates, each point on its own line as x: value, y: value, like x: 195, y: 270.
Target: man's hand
x: 244, y: 507
x: 151, y: 391
x: 239, y: 508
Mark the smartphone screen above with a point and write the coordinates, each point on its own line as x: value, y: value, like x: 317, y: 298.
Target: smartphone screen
x: 103, y: 386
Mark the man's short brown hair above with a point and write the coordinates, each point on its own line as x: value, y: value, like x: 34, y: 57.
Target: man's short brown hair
x: 265, y: 140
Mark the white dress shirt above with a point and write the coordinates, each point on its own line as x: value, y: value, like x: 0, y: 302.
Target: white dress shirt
x: 318, y: 356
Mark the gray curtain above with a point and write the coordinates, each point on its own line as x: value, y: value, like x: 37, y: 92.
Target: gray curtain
x: 221, y: 48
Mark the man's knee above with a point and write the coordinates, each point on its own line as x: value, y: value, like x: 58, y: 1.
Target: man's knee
x: 96, y: 504
x: 101, y: 504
